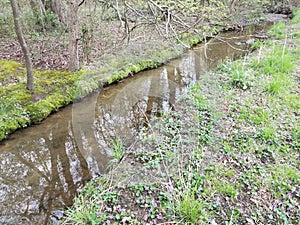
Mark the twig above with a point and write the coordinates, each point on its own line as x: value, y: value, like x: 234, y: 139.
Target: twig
x: 230, y: 45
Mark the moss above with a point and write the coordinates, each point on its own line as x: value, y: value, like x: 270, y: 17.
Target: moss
x: 20, y: 95
x: 2, y: 133
x: 10, y: 124
x: 87, y: 83
x: 190, y: 39
x: 38, y: 111
x: 7, y: 66
x: 134, y: 68
x: 11, y: 72
x: 145, y: 64
x: 19, y: 107
x: 43, y: 108
x: 49, y: 79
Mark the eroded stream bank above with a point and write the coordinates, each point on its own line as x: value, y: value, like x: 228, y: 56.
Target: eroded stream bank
x: 44, y: 166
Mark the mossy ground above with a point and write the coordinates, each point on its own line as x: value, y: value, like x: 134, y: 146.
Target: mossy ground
x: 20, y: 107
x: 229, y: 154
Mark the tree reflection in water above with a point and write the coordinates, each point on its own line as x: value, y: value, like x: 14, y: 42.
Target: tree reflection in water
x: 40, y: 174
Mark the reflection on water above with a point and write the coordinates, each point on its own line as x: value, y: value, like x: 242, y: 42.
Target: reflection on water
x: 43, y: 167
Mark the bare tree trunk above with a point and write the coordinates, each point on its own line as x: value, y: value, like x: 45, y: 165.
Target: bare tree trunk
x: 19, y: 32
x: 38, y: 12
x: 231, y: 6
x: 73, y: 39
x: 58, y: 7
x: 55, y: 6
x: 203, y: 2
x: 42, y: 7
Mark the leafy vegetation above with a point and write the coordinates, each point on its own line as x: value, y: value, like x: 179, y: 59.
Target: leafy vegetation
x: 117, y: 149
x: 227, y: 155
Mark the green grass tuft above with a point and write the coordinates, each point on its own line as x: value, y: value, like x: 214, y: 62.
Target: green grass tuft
x: 191, y: 210
x: 118, y: 149
x: 279, y: 30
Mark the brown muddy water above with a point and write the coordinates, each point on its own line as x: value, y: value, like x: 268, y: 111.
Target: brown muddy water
x: 43, y: 167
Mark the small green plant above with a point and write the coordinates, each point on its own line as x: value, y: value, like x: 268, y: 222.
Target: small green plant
x: 110, y: 197
x: 227, y: 148
x: 84, y: 211
x: 295, y: 134
x: 118, y: 149
x: 191, y: 210
x: 238, y: 77
x: 234, y: 214
x: 250, y: 179
x: 7, y: 26
x: 267, y: 133
x: 229, y: 173
x: 296, y: 18
x: 257, y: 44
x: 226, y: 188
x: 274, y: 87
x: 259, y: 115
x: 293, y: 100
x: 239, y: 80
x: 34, y: 35
x: 197, y: 97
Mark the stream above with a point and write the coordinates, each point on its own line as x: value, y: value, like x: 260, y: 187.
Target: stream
x: 44, y: 166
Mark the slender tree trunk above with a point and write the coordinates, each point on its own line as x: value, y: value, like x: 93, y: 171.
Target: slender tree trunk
x: 231, y: 6
x: 203, y: 2
x: 19, y: 32
x: 55, y: 6
x: 42, y: 7
x: 58, y: 7
x: 38, y: 12
x: 73, y: 38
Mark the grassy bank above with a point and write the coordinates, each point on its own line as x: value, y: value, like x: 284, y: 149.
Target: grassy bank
x: 229, y: 154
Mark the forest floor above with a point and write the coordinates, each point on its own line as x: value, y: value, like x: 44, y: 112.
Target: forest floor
x: 228, y: 154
